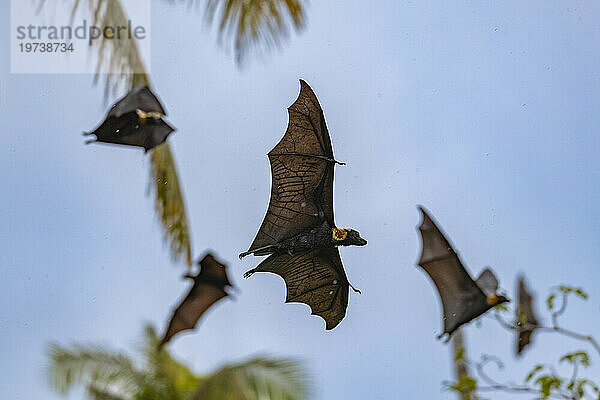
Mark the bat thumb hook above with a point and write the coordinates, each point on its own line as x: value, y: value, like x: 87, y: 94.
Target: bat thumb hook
x: 248, y: 274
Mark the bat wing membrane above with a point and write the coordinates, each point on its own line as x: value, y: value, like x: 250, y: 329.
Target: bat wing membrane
x: 526, y: 314
x: 462, y: 300
x: 200, y: 298
x: 140, y: 97
x: 301, y: 174
x: 316, y: 278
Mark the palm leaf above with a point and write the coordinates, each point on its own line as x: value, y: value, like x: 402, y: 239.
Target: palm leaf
x: 103, y: 372
x: 169, y: 202
x: 255, y: 25
x: 257, y: 379
x: 122, y: 65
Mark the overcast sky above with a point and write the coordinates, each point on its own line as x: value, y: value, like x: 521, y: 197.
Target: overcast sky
x: 484, y: 112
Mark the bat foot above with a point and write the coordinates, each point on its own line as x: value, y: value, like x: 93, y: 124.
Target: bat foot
x: 339, y: 162
x: 84, y: 133
x: 355, y: 289
x: 248, y: 274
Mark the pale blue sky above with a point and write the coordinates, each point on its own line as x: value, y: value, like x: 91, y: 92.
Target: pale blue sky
x: 484, y: 112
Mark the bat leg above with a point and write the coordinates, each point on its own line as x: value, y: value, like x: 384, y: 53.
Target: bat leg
x: 355, y: 289
x: 262, y: 251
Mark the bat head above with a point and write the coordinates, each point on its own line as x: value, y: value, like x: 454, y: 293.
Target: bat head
x: 350, y: 237
x: 496, y: 299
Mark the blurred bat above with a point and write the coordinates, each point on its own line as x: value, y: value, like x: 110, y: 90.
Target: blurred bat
x: 135, y: 120
x: 209, y: 287
x: 462, y: 298
x: 526, y: 319
x: 298, y: 231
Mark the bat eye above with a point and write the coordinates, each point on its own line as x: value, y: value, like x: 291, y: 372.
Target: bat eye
x: 335, y: 281
x: 331, y: 292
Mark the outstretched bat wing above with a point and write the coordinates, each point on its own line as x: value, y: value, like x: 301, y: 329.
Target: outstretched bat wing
x: 139, y: 98
x: 302, y: 166
x: 526, y: 318
x: 316, y: 278
x: 462, y: 300
x: 208, y: 288
x: 127, y: 130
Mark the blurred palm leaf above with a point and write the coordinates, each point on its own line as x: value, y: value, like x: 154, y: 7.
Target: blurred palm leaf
x: 257, y: 379
x: 110, y: 375
x: 255, y: 24
x: 122, y: 65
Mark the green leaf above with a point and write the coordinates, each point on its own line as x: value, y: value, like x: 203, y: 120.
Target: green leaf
x: 257, y: 379
x: 460, y: 354
x: 550, y: 301
x: 534, y: 371
x: 579, y: 292
x: 547, y: 384
x: 578, y: 357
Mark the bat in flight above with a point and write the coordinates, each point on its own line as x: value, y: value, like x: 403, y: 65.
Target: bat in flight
x: 134, y: 120
x: 463, y: 299
x: 298, y: 232
x: 526, y: 320
x: 209, y: 287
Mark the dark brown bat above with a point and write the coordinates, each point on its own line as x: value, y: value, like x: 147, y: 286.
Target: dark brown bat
x: 298, y: 231
x: 526, y: 320
x: 135, y: 120
x: 209, y: 287
x: 462, y: 298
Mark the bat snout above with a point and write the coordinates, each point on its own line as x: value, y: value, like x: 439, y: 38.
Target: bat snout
x: 361, y: 242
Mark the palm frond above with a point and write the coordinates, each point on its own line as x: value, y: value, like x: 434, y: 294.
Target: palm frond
x: 123, y: 66
x: 257, y: 379
x: 96, y: 393
x: 159, y: 363
x: 118, y: 60
x: 169, y: 202
x: 99, y: 370
x: 255, y: 25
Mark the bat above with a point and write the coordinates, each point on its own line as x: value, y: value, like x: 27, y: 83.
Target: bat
x: 209, y: 287
x: 298, y: 232
x: 526, y: 320
x: 463, y: 299
x: 134, y: 120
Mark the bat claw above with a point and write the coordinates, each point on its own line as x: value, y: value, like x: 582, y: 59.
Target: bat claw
x: 90, y: 141
x: 244, y: 254
x: 248, y: 274
x: 339, y: 162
